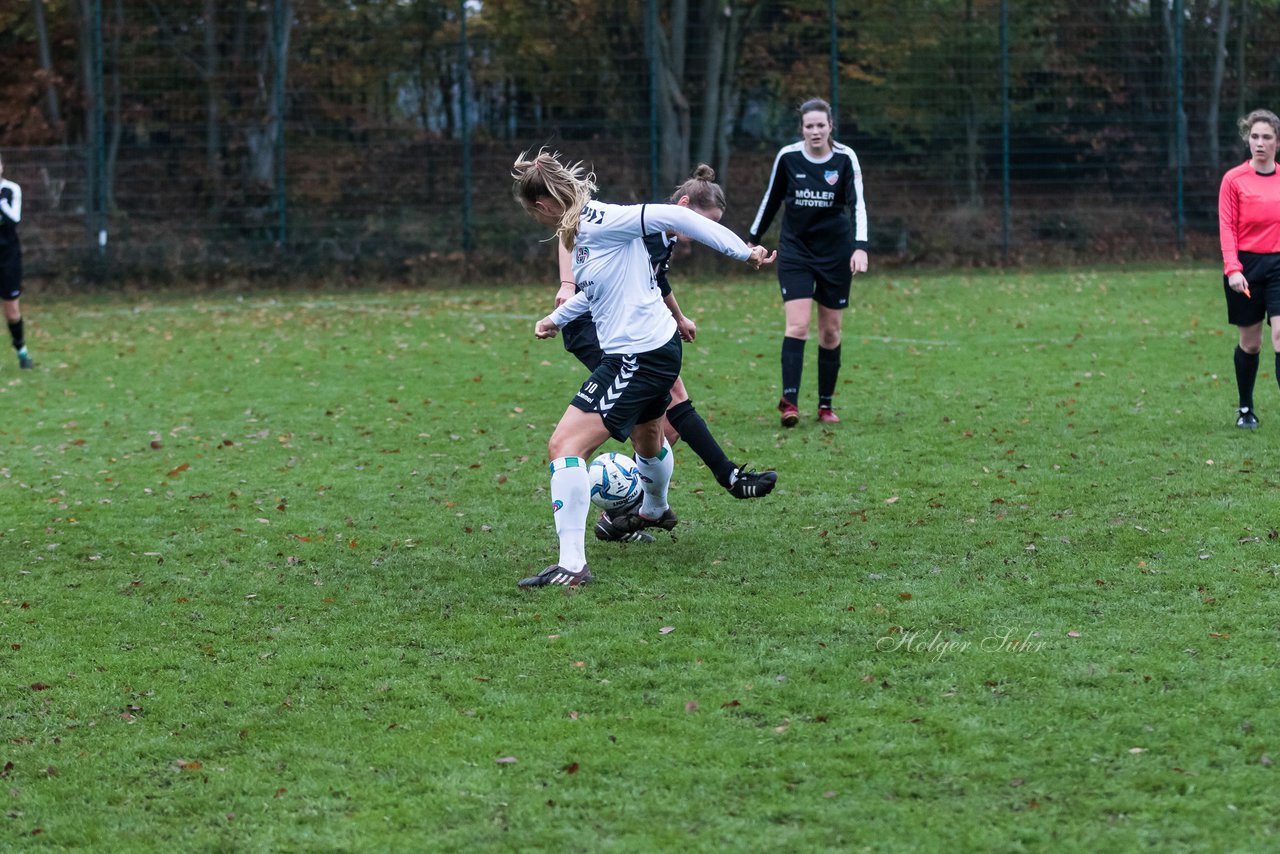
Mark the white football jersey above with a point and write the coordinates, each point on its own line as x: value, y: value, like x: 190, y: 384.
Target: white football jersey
x: 612, y: 268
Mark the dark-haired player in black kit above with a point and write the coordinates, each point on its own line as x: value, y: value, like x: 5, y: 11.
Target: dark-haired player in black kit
x: 11, y: 265
x: 820, y: 249
x: 702, y: 195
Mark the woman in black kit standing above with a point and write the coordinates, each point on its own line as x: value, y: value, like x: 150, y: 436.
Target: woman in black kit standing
x: 11, y: 265
x: 820, y: 249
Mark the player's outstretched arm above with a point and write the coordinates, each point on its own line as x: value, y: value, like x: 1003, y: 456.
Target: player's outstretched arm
x: 707, y: 232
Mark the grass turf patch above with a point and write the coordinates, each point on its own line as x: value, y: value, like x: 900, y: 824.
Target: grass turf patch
x: 259, y: 564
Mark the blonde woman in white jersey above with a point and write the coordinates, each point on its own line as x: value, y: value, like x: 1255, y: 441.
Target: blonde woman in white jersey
x: 628, y: 393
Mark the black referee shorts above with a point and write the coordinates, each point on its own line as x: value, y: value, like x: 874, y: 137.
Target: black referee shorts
x: 1262, y: 272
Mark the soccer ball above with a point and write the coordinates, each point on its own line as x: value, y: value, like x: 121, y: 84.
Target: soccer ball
x: 615, y: 480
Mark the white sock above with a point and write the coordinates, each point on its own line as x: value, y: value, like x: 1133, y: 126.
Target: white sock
x: 655, y: 476
x: 570, y: 495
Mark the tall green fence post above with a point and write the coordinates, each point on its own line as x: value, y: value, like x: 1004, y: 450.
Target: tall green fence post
x: 98, y: 204
x: 1005, y: 202
x: 279, y: 19
x: 464, y: 126
x: 1180, y: 121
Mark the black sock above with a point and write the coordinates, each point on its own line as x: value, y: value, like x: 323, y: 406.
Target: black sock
x: 828, y: 371
x: 792, y: 368
x: 16, y: 333
x: 693, y: 429
x: 1246, y: 374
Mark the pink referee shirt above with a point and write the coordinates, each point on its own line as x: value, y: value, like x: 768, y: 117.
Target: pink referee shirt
x: 1248, y: 214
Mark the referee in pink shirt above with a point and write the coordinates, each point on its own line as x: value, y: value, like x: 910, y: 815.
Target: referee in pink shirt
x: 1249, y: 229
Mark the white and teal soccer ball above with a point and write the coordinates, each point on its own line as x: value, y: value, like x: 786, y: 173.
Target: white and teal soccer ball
x: 615, y: 481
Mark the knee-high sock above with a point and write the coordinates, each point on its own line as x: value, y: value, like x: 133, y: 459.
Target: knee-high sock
x: 828, y: 373
x: 570, y: 495
x: 17, y: 334
x: 693, y: 429
x: 1246, y: 374
x: 655, y: 475
x: 792, y: 368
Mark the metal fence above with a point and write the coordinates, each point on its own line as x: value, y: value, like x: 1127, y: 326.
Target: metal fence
x: 200, y: 137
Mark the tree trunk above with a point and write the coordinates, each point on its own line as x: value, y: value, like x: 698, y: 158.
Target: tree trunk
x: 973, y: 145
x: 673, y: 105
x: 741, y: 21
x: 1242, y: 80
x: 91, y: 96
x: 113, y: 147
x: 716, y: 16
x: 262, y: 136
x: 213, y: 102
x: 1215, y: 91
x: 46, y: 69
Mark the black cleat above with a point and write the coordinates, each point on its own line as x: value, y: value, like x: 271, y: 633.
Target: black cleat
x: 753, y: 484
x: 557, y: 575
x: 632, y: 521
x: 25, y: 362
x: 607, y: 529
x: 1246, y: 420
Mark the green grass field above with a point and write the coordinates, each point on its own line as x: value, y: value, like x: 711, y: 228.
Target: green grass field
x: 258, y: 561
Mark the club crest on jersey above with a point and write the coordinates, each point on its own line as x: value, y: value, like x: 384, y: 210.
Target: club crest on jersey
x: 580, y: 256
x: 832, y: 176
x: 557, y: 506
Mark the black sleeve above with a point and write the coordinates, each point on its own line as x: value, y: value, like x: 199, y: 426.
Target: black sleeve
x: 660, y: 258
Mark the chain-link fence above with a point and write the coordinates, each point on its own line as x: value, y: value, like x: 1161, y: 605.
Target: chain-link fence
x: 327, y: 137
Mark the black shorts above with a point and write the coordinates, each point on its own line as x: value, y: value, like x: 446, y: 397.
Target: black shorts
x: 579, y: 336
x: 10, y: 271
x: 828, y: 285
x: 1262, y: 272
x: 632, y: 389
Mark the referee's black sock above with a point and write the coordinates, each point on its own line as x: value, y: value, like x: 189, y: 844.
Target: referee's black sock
x: 693, y: 429
x: 792, y: 368
x: 17, y: 334
x: 828, y: 372
x: 1247, y: 374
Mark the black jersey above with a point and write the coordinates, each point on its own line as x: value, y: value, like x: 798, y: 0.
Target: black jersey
x: 10, y: 213
x: 815, y: 227
x: 660, y: 246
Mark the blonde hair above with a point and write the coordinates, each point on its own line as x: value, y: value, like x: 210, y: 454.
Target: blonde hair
x: 1246, y: 124
x: 703, y: 191
x: 543, y: 176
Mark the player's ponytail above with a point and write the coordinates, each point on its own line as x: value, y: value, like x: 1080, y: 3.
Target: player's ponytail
x: 543, y: 176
